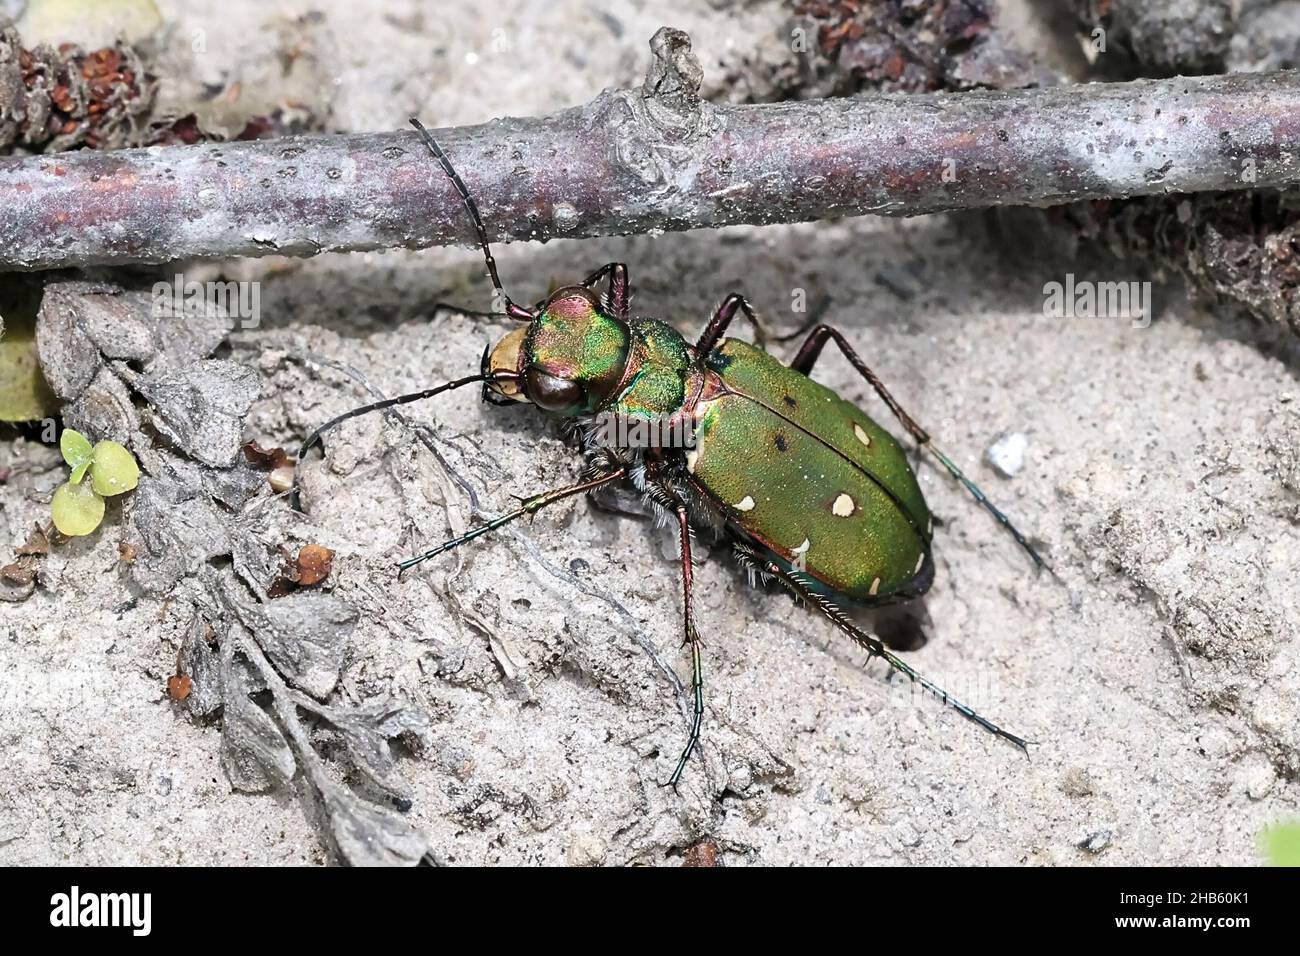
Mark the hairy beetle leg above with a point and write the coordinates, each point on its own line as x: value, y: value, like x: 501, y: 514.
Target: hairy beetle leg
x: 731, y: 306
x: 619, y: 296
x: 693, y: 638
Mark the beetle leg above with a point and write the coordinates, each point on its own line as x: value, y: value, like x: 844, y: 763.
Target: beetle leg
x: 671, y: 500
x: 530, y: 506
x: 692, y: 637
x: 620, y: 293
x: 807, y: 358
x: 722, y: 318
x: 793, y: 582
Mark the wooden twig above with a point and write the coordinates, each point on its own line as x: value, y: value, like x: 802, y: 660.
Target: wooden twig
x: 653, y: 159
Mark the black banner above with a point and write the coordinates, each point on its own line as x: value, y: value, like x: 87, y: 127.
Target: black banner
x: 334, y: 905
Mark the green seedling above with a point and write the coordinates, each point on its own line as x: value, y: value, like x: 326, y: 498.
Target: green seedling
x: 1281, y: 844
x: 98, y: 472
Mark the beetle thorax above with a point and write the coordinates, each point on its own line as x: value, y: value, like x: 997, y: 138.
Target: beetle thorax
x: 577, y: 360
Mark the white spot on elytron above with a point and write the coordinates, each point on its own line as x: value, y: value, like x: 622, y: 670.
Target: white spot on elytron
x: 691, y: 458
x: 745, y: 504
x: 875, y: 586
x: 929, y: 526
x: 919, y: 561
x: 843, y: 506
x: 862, y: 436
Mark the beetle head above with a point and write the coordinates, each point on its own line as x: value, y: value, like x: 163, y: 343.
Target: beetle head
x: 568, y: 360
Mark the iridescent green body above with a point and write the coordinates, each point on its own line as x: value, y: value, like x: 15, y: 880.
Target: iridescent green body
x: 793, y: 468
x: 814, y: 495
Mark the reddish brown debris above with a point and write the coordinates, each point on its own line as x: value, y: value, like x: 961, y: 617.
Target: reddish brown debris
x: 179, y: 687
x: 268, y: 458
x: 22, y: 571
x: 58, y: 99
x: 37, y: 543
x: 275, y: 460
x: 313, y: 564
x: 18, y: 573
x: 907, y: 46
x: 704, y: 853
x: 309, y: 567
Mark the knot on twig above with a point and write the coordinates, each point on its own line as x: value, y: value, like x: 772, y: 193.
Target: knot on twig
x: 672, y: 84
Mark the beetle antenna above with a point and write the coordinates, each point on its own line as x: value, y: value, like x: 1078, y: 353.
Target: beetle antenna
x: 514, y: 311
x: 314, y: 438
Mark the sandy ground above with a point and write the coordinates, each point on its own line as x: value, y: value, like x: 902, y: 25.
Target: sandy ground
x: 1159, y: 676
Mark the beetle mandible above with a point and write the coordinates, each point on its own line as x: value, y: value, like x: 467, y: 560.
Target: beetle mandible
x: 809, y: 490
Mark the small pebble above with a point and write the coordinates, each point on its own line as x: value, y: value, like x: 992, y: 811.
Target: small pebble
x: 1096, y: 842
x: 1007, y: 454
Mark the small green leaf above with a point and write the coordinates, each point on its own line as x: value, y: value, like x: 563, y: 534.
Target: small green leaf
x: 24, y: 394
x: 76, y: 452
x: 115, y: 470
x: 77, y: 509
x: 1282, y: 844
x: 79, y: 472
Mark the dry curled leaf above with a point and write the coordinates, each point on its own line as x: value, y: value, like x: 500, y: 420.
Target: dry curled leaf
x: 18, y: 573
x: 260, y: 457
x: 37, y: 543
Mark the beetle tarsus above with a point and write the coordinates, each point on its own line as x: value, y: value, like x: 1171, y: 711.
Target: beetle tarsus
x: 872, y: 645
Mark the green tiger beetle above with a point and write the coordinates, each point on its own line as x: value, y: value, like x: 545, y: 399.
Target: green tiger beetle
x: 810, y: 492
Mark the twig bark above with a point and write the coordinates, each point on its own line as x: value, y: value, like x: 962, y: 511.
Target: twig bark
x: 654, y: 159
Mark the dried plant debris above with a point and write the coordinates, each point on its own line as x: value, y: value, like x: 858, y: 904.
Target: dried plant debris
x: 1241, y: 248
x: 98, y: 343
x: 196, y: 530
x: 276, y: 461
x: 57, y: 99
x: 911, y: 46
x: 201, y: 407
x: 304, y: 634
x: 18, y: 577
x: 267, y: 741
x: 1158, y: 37
x: 60, y: 97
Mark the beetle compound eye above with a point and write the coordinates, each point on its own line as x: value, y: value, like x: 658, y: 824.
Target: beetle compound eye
x: 551, y: 393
